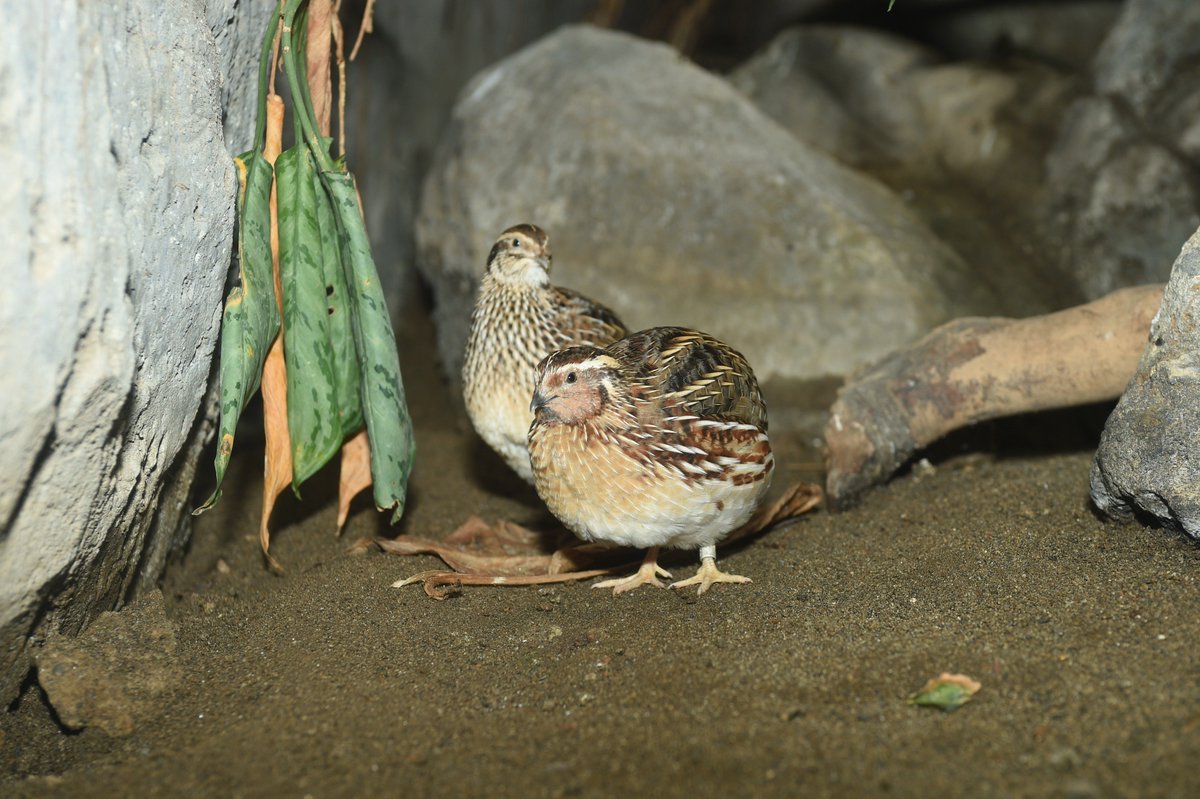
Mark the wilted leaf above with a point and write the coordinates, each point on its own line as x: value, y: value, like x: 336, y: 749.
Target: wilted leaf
x: 277, y: 468
x: 355, y: 474
x: 277, y: 471
x: 946, y: 692
x: 319, y: 35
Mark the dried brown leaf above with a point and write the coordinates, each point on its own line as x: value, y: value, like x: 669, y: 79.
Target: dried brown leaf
x: 685, y: 31
x: 466, y: 561
x: 606, y: 14
x: 367, y: 26
x: 508, y: 554
x: 277, y: 471
x: 441, y: 584
x: 799, y: 499
x: 355, y: 475
x: 339, y: 47
x: 320, y: 84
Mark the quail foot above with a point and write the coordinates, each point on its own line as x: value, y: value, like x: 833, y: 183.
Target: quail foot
x: 519, y: 318
x: 657, y: 440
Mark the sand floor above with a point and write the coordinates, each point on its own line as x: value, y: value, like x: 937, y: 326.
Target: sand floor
x: 327, y: 681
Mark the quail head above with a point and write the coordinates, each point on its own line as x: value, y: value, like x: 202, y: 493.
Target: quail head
x: 519, y: 318
x: 657, y: 440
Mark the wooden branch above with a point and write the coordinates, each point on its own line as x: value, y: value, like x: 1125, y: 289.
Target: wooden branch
x: 971, y: 370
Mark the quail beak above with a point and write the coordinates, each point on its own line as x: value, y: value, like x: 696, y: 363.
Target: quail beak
x: 540, y: 401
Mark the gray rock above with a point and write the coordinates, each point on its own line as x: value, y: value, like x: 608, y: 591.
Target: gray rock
x: 404, y: 82
x: 1149, y: 458
x: 1066, y: 33
x: 963, y: 143
x: 118, y: 227
x: 846, y: 91
x: 1122, y: 170
x: 670, y: 197
x: 117, y: 675
x: 401, y: 90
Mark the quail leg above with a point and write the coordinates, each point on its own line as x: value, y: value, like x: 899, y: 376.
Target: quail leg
x: 708, y: 573
x: 648, y: 574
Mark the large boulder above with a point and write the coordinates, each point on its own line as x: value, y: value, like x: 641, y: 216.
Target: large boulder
x: 1149, y: 455
x: 403, y: 84
x: 1122, y: 172
x: 964, y: 143
x: 670, y: 197
x: 846, y: 91
x: 117, y: 223
x: 1065, y: 32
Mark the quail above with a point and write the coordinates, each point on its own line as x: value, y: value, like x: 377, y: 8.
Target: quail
x: 519, y: 318
x: 657, y: 440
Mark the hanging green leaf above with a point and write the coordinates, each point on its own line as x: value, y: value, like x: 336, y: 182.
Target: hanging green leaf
x: 314, y: 418
x: 337, y: 301
x: 342, y: 367
x: 251, y: 319
x: 389, y: 427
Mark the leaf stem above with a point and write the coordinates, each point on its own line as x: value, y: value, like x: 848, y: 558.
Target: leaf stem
x: 303, y: 111
x: 264, y: 72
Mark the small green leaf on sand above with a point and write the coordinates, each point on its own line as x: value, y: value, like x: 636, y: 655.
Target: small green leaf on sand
x: 946, y: 692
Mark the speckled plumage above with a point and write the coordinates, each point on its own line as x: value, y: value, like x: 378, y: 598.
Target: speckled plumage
x: 519, y: 318
x: 659, y: 439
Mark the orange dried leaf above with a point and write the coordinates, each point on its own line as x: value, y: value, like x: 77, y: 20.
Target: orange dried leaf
x: 355, y: 475
x: 367, y: 26
x: 320, y: 85
x: 277, y: 470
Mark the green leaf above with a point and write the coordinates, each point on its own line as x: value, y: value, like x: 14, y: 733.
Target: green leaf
x: 337, y: 300
x: 251, y: 319
x: 947, y: 692
x: 389, y: 427
x: 314, y: 419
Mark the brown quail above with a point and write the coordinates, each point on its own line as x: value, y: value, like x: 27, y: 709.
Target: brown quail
x: 519, y: 318
x: 657, y: 440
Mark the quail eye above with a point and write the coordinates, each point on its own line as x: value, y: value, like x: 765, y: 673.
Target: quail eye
x: 516, y: 242
x: 571, y: 377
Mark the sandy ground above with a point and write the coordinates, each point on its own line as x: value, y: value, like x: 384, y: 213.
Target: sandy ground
x: 328, y: 681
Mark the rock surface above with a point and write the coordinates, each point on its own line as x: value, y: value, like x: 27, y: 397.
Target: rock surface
x: 404, y: 82
x: 118, y: 227
x: 670, y: 197
x: 846, y: 91
x: 964, y: 143
x: 401, y: 90
x: 117, y: 674
x: 1149, y: 455
x: 1123, y: 168
x: 1066, y: 33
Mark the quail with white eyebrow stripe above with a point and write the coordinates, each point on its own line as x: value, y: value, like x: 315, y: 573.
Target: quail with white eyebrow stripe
x: 658, y: 440
x: 519, y: 318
